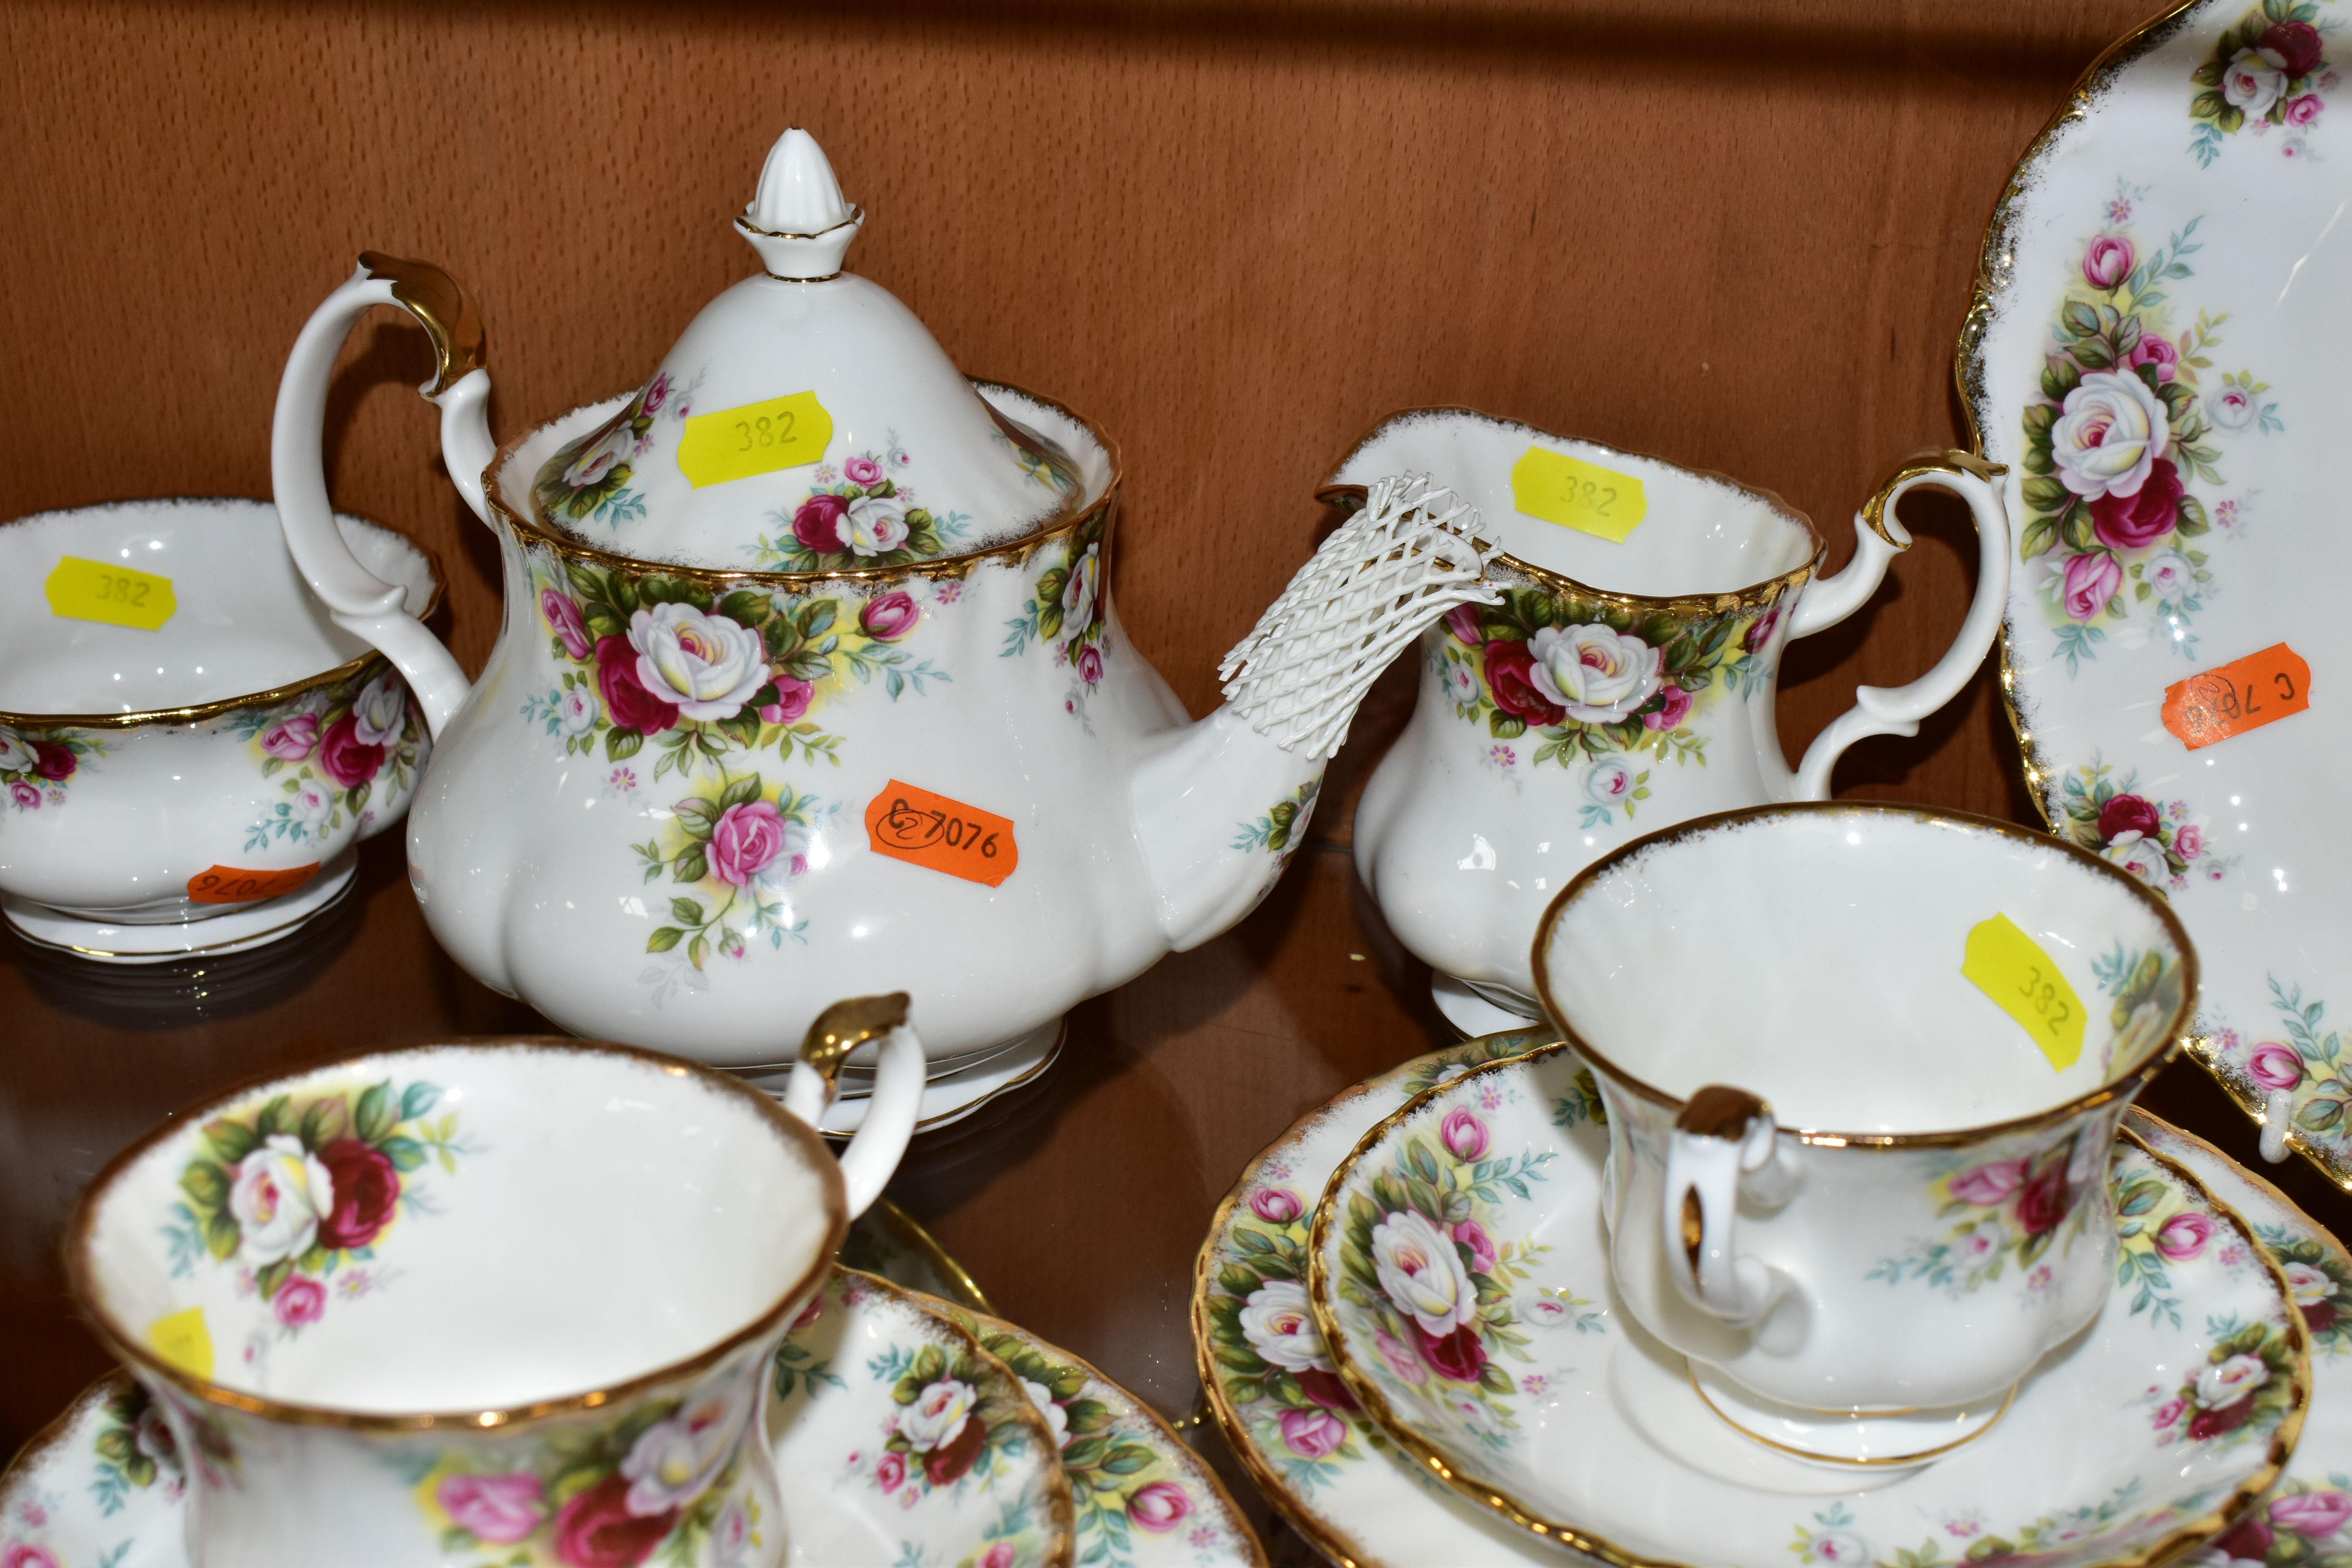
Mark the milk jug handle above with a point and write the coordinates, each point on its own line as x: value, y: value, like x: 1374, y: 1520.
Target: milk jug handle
x: 1722, y: 1136
x: 361, y: 602
x: 1879, y: 537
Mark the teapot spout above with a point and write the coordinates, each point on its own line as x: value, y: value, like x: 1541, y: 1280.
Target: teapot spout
x: 1219, y: 807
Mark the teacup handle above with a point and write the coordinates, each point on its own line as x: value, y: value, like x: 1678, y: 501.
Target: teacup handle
x: 361, y: 602
x: 1722, y: 1136
x: 880, y: 1140
x: 1878, y: 539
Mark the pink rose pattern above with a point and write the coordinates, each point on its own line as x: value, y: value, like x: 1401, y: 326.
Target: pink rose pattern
x: 2116, y: 531
x: 2290, y: 75
x: 2308, y: 1059
x: 356, y: 747
x: 35, y: 764
x: 864, y: 516
x: 2160, y: 841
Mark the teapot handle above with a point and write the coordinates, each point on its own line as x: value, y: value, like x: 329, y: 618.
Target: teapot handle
x: 361, y: 602
x: 1878, y: 539
x: 881, y: 1140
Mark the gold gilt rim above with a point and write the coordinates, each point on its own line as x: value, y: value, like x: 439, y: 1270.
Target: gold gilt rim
x: 1103, y: 506
x: 907, y: 1231
x: 1995, y: 259
x: 1890, y: 1462
x: 132, y: 1350
x: 197, y: 712
x: 1195, y: 1464
x: 1526, y: 1516
x: 1325, y: 1539
x: 105, y: 1387
x: 2090, y: 1100
x: 1061, y: 1509
x: 1755, y: 597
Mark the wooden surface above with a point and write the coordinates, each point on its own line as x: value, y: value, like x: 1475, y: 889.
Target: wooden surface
x: 1736, y: 234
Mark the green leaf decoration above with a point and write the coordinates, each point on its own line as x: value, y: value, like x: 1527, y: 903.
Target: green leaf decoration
x: 377, y: 1114
x: 818, y: 618
x: 269, y: 1278
x: 600, y: 620
x: 275, y: 1119
x: 741, y: 792
x: 221, y: 1234
x: 746, y: 606
x: 1128, y: 1459
x: 2060, y: 376
x: 2080, y: 319
x: 206, y: 1183
x: 698, y: 818
x: 232, y: 1140
x: 1085, y: 1452
x: 586, y: 580
x: 622, y: 744
x: 324, y: 1121
x: 624, y: 596
x: 2045, y: 493
x: 664, y: 938
x: 419, y: 1100
x: 405, y: 1153
x: 692, y: 865
x: 686, y: 911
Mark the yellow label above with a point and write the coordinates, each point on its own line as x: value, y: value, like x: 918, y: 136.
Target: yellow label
x: 183, y: 1340
x: 96, y: 591
x: 1590, y: 499
x: 757, y: 439
x: 2010, y: 966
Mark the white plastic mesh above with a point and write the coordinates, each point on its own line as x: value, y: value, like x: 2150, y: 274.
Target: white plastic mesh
x: 1405, y: 559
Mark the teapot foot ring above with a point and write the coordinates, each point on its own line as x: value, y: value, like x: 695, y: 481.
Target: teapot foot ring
x: 1474, y: 1008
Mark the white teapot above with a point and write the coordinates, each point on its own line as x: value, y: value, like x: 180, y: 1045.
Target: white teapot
x: 809, y: 682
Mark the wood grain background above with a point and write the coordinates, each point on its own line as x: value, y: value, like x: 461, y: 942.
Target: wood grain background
x: 1737, y: 234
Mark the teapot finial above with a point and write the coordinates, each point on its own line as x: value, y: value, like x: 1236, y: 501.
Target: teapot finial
x: 798, y: 222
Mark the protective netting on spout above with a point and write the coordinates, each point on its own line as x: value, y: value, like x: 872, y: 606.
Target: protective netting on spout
x: 1397, y: 566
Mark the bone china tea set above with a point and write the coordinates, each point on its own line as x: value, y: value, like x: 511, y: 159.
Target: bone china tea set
x: 1784, y: 1202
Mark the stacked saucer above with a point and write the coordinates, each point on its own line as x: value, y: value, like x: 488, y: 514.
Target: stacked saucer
x: 904, y: 1428
x: 2169, y: 1426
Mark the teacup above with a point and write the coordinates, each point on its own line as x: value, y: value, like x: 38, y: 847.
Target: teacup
x: 189, y: 746
x: 1863, y: 1065
x: 510, y: 1301
x: 1625, y: 681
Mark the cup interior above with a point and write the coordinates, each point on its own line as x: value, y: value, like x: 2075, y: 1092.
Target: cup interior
x: 1814, y: 956
x: 457, y: 1229
x: 1701, y: 533
x: 245, y: 620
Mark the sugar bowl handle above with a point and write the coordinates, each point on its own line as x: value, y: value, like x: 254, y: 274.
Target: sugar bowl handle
x: 1878, y: 539
x: 881, y: 1140
x: 1723, y: 1137
x: 361, y: 602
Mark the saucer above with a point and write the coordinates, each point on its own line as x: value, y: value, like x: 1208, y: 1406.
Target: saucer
x: 1294, y: 1427
x: 239, y: 930
x: 1143, y: 1498
x: 897, y: 1440
x: 2145, y: 1435
x: 1472, y: 1012
x: 101, y: 1486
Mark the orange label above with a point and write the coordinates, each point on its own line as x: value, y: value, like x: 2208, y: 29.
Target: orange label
x: 2243, y: 695
x: 926, y: 829
x: 228, y: 885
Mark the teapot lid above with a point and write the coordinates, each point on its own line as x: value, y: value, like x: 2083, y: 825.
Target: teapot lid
x: 805, y: 421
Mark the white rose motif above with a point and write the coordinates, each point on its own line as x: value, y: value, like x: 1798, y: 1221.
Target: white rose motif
x: 599, y: 458
x: 1472, y: 1411
x: 2231, y: 407
x: 279, y: 1190
x: 2219, y: 1387
x: 1596, y: 673
x: 1421, y: 1272
x: 575, y: 711
x: 1460, y: 684
x: 875, y: 525
x: 313, y: 802
x: 2253, y: 81
x: 1055, y: 1417
x: 2109, y: 435
x: 2307, y: 1284
x: 380, y: 710
x: 1078, y: 593
x: 17, y: 755
x: 1280, y: 1328
x: 1608, y: 783
x: 706, y: 664
x: 935, y: 1418
x: 2170, y: 574
x: 2141, y: 856
x: 674, y: 1461
x: 790, y: 861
